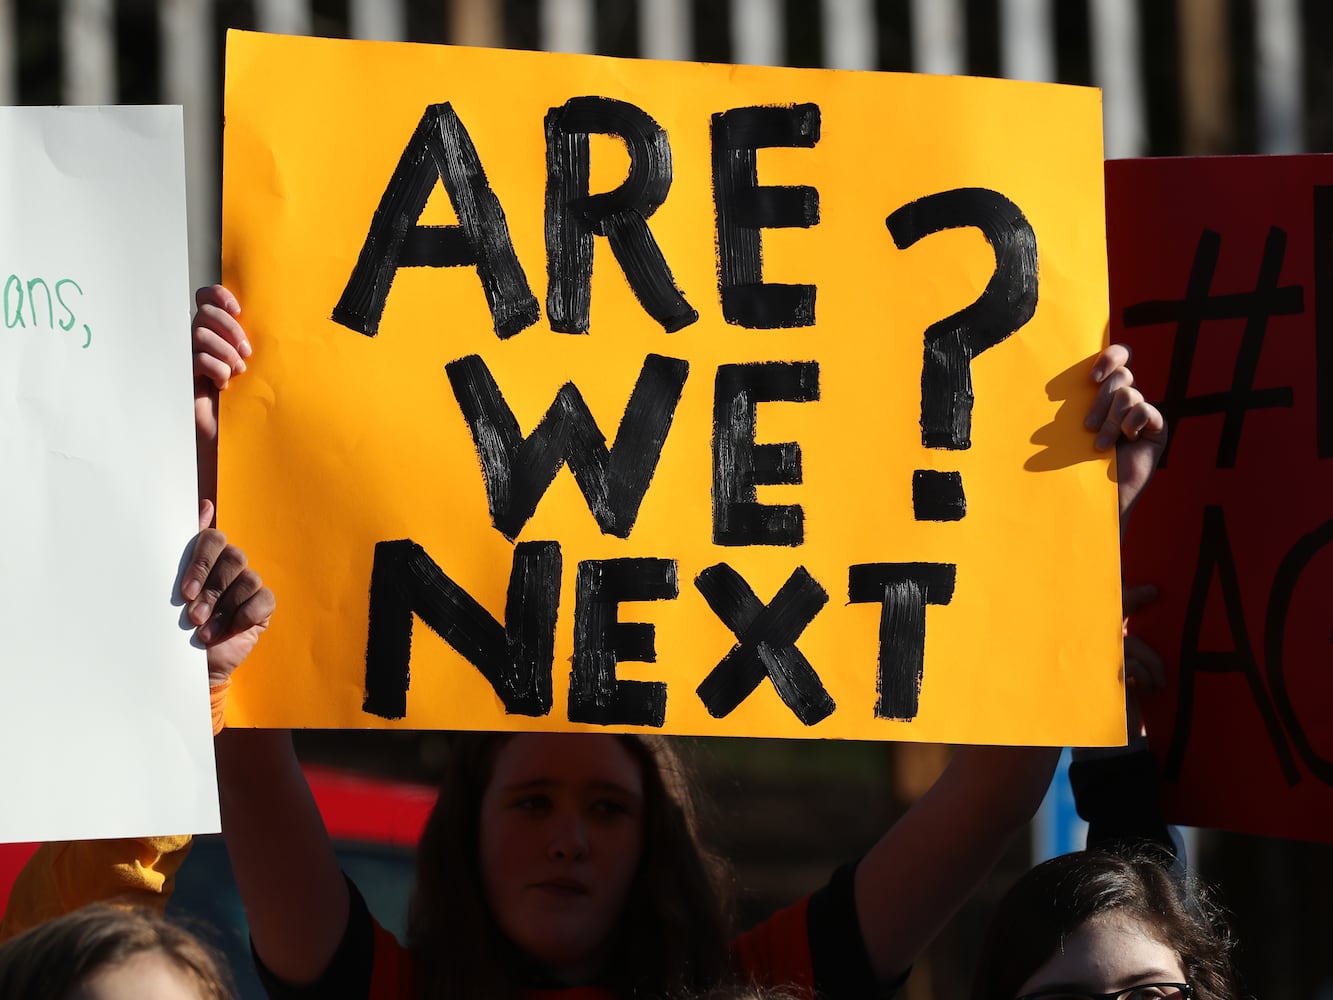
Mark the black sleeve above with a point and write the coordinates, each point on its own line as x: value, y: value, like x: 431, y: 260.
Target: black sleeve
x: 1118, y: 796
x: 348, y: 974
x: 838, y: 957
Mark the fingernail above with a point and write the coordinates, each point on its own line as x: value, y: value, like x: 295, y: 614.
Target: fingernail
x: 200, y: 613
x: 1103, y: 442
x: 208, y: 631
x: 244, y: 348
x: 191, y: 590
x: 1091, y: 422
x: 234, y: 307
x: 240, y: 367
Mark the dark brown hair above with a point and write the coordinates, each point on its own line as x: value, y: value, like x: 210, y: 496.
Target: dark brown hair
x: 673, y: 933
x: 1057, y: 897
x: 53, y: 958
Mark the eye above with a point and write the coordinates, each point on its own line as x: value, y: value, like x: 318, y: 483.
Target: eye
x: 535, y: 802
x: 610, y: 808
x: 1159, y: 992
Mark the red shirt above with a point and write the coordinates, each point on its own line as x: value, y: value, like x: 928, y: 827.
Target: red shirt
x: 813, y: 948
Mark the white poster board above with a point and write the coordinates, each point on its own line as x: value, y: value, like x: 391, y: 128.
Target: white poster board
x: 104, y: 717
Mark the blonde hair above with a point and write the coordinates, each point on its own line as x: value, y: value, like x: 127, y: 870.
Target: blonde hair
x: 52, y: 959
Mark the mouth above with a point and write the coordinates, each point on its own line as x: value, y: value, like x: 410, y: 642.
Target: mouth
x: 561, y: 887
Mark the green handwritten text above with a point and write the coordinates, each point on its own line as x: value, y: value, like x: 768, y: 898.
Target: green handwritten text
x: 32, y: 304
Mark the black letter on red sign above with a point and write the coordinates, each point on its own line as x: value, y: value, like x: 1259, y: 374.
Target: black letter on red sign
x: 439, y: 150
x: 515, y: 658
x: 739, y: 464
x: 517, y: 469
x: 902, y: 590
x: 601, y: 641
x: 1275, y: 630
x: 1200, y: 305
x: 767, y: 637
x: 573, y: 215
x: 1323, y: 318
x: 744, y: 209
x: 1215, y: 559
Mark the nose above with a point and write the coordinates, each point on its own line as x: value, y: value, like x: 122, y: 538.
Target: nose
x: 569, y: 839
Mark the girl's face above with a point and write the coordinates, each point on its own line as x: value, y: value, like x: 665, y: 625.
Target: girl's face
x: 561, y: 836
x: 149, y: 975
x: 1109, y: 952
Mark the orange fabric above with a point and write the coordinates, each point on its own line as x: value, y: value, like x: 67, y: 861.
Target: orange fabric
x: 217, y: 698
x: 63, y: 876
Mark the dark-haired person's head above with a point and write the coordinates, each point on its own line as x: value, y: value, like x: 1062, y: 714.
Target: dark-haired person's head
x: 565, y: 860
x: 103, y: 952
x: 1093, y: 924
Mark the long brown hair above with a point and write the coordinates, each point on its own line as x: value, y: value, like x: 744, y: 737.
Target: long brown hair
x: 53, y: 958
x: 674, y: 931
x: 1058, y: 896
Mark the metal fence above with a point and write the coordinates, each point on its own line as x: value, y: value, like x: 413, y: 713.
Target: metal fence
x: 1185, y: 76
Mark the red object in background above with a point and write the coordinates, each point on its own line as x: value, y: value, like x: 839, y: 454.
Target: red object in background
x: 1221, y: 275
x: 12, y: 859
x: 355, y: 808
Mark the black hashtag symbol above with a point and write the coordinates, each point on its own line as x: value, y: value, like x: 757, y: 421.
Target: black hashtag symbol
x: 1199, y: 306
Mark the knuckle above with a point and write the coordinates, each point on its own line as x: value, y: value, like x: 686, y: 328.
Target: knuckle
x: 231, y: 561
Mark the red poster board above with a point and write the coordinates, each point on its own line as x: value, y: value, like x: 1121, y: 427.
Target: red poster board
x: 1222, y: 283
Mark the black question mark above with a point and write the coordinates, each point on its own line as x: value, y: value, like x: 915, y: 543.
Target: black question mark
x: 1006, y: 304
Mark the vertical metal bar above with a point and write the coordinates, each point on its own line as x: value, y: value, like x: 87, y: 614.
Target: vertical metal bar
x: 758, y: 32
x: 1205, y: 76
x: 939, y: 42
x: 1117, y: 67
x: 189, y: 75
x: 567, y: 26
x: 1027, y: 40
x: 88, y: 43
x: 9, y: 59
x: 849, y: 34
x: 283, y: 17
x: 1279, y: 76
x: 379, y: 20
x: 475, y: 22
x: 666, y: 29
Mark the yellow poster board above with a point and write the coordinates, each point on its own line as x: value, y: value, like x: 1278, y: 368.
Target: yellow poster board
x: 609, y: 394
